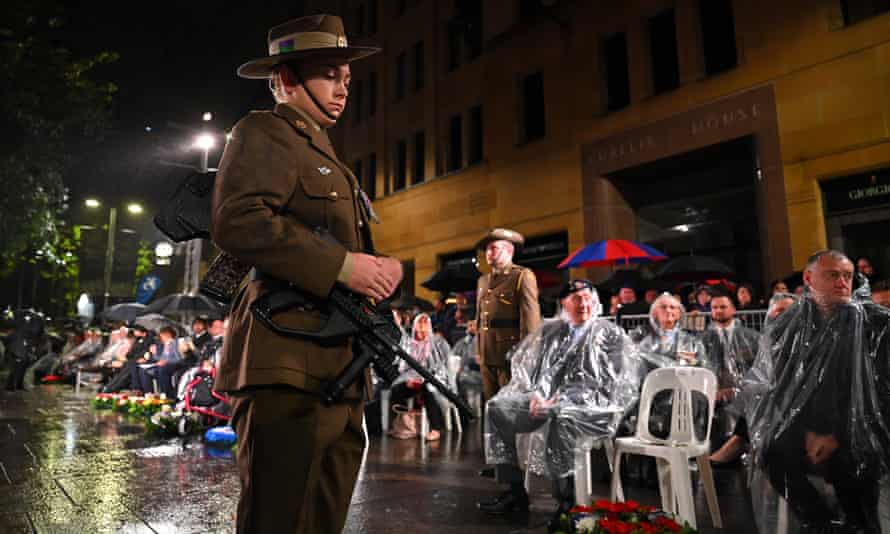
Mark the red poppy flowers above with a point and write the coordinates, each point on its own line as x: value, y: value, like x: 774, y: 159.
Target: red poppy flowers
x: 607, y: 517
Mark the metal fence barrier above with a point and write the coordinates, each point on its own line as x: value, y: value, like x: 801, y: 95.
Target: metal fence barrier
x: 696, y: 322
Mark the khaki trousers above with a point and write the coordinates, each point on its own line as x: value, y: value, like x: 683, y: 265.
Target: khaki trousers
x: 493, y: 379
x: 298, y: 460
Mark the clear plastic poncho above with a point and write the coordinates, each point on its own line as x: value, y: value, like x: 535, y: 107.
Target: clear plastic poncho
x: 731, y: 352
x: 570, y: 384
x: 432, y: 352
x: 660, y: 347
x: 826, y: 375
x: 470, y: 375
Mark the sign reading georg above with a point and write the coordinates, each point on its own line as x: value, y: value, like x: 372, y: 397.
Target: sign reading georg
x: 857, y: 191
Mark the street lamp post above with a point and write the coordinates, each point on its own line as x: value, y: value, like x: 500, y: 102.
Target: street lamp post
x: 133, y: 208
x: 204, y: 143
x: 109, y: 254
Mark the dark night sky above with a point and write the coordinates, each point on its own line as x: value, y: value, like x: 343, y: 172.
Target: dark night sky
x: 177, y: 60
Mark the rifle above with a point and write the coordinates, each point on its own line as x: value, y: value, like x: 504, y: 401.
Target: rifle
x: 348, y: 314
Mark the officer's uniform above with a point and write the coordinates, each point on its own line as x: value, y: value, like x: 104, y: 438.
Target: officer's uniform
x: 506, y: 311
x: 279, y: 178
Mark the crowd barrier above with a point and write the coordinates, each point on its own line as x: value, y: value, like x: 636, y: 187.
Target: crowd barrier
x: 696, y: 322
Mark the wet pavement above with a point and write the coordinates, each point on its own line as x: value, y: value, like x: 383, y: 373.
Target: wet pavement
x: 65, y: 467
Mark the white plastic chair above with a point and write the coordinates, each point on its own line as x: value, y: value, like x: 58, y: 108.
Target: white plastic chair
x: 583, y: 468
x: 384, y: 409
x: 449, y: 410
x: 674, y: 452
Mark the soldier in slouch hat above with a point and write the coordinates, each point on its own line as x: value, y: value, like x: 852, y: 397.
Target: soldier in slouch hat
x: 279, y: 178
x: 507, y: 307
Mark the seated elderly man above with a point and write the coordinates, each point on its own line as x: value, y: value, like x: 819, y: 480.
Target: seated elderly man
x: 664, y: 343
x: 824, y: 370
x: 572, y: 378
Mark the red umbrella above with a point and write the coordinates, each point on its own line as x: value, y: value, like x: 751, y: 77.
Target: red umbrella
x: 612, y: 252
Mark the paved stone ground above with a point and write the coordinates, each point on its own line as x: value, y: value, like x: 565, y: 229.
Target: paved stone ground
x: 65, y: 467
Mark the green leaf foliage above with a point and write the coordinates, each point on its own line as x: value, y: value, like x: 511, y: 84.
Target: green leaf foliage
x: 48, y: 101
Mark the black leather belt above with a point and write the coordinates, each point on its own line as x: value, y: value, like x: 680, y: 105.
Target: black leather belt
x: 500, y: 323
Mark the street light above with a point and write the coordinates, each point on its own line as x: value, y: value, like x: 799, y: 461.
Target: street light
x: 207, y: 116
x: 133, y: 208
x: 163, y: 252
x: 204, y: 142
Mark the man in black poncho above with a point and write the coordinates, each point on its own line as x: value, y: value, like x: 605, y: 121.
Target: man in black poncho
x: 824, y: 365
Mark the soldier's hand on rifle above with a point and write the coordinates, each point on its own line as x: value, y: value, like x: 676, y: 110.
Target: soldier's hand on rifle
x: 373, y: 276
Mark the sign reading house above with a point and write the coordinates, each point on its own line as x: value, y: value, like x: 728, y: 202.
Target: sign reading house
x: 857, y: 191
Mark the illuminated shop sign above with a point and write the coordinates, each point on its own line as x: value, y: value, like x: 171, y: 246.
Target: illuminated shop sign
x: 856, y: 192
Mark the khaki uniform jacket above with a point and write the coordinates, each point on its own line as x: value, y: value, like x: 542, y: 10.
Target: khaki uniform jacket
x: 506, y: 310
x: 278, y: 179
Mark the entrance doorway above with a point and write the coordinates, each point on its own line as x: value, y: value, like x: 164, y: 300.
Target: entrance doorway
x: 857, y: 216
x: 702, y: 202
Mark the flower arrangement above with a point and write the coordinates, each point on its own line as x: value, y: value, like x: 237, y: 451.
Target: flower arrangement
x: 606, y: 517
x: 104, y: 401
x: 173, y: 422
x: 147, y: 406
x: 140, y: 406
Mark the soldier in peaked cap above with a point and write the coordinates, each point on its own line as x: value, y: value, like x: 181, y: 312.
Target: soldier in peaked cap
x: 298, y: 458
x: 506, y: 307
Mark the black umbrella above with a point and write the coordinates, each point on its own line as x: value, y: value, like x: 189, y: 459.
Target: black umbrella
x: 183, y: 303
x: 156, y: 321
x: 453, y: 279
x: 125, y: 311
x: 694, y: 268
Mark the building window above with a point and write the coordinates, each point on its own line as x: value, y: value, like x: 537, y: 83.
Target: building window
x: 401, y: 75
x: 468, y: 14
x: 475, y: 148
x: 372, y: 94
x: 663, y: 51
x: 859, y: 10
x: 372, y: 16
x: 617, y: 77
x: 358, y: 105
x: 370, y: 184
x: 454, y: 45
x: 529, y: 10
x: 455, y: 142
x: 401, y: 166
x: 718, y: 35
x: 533, y: 113
x: 419, y: 157
x: 419, y: 70
x: 407, y: 284
x: 360, y: 17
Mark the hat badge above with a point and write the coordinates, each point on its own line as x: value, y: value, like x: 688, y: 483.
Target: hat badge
x: 341, y: 41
